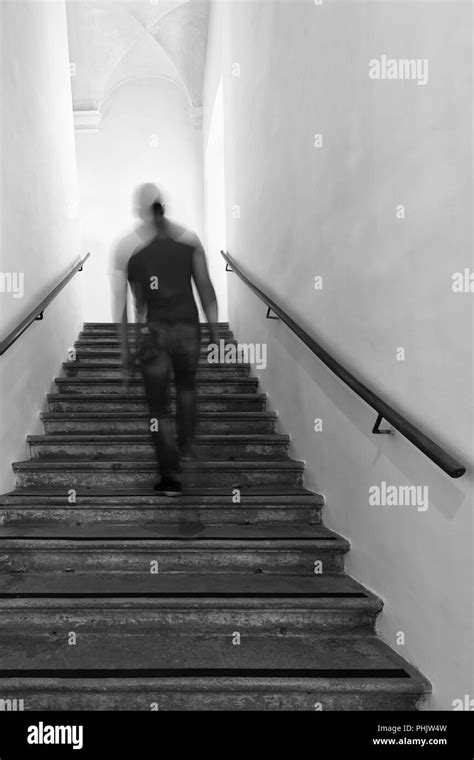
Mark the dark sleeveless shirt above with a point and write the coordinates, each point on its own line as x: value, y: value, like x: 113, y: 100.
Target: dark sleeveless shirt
x: 169, y: 298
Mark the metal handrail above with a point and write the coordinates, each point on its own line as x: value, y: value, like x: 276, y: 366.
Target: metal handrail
x: 432, y: 450
x: 37, y: 312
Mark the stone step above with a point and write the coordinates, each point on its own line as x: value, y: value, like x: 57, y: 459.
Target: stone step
x: 206, y: 507
x: 108, y: 474
x: 115, y: 548
x: 116, y: 331
x: 100, y: 646
x: 111, y: 343
x: 98, y: 605
x: 131, y: 403
x: 208, y: 672
x: 249, y: 691
x: 104, y: 355
x: 140, y: 447
x: 132, y: 329
x: 210, y: 649
x: 113, y: 423
x: 112, y: 327
x: 114, y: 358
x: 206, y: 371
x: 96, y: 385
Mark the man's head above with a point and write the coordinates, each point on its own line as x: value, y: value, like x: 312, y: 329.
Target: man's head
x: 145, y: 198
x: 158, y: 212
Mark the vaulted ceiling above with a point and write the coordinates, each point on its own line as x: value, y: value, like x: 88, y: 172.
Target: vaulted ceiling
x: 114, y: 41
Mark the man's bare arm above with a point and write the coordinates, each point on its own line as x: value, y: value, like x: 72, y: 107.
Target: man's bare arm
x: 206, y: 291
x: 127, y: 358
x: 140, y: 317
x: 139, y: 301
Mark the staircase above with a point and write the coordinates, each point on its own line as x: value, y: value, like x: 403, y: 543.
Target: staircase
x: 231, y: 597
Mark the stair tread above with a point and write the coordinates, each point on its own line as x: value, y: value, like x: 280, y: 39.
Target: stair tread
x: 144, y: 415
x: 118, y: 364
x: 133, y: 415
x: 199, y: 497
x: 231, y: 690
x: 247, y: 491
x: 111, y: 326
x: 145, y: 438
x: 131, y: 325
x: 181, y: 585
x: 106, y: 464
x: 102, y: 339
x: 260, y: 655
x: 139, y: 381
x: 133, y: 396
x: 153, y: 531
x: 222, y: 331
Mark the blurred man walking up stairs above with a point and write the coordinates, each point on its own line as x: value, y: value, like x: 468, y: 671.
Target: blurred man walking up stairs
x: 168, y: 337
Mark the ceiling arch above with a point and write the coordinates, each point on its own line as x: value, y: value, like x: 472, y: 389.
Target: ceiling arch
x: 115, y: 41
x: 135, y: 77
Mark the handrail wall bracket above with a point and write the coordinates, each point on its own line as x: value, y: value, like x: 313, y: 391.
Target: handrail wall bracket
x: 269, y: 315
x: 376, y: 428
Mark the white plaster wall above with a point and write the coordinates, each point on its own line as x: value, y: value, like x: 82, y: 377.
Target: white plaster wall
x: 146, y: 135
x: 215, y: 203
x: 39, y: 193
x: 331, y: 211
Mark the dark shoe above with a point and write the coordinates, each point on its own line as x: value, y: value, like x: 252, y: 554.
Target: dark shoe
x: 168, y: 487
